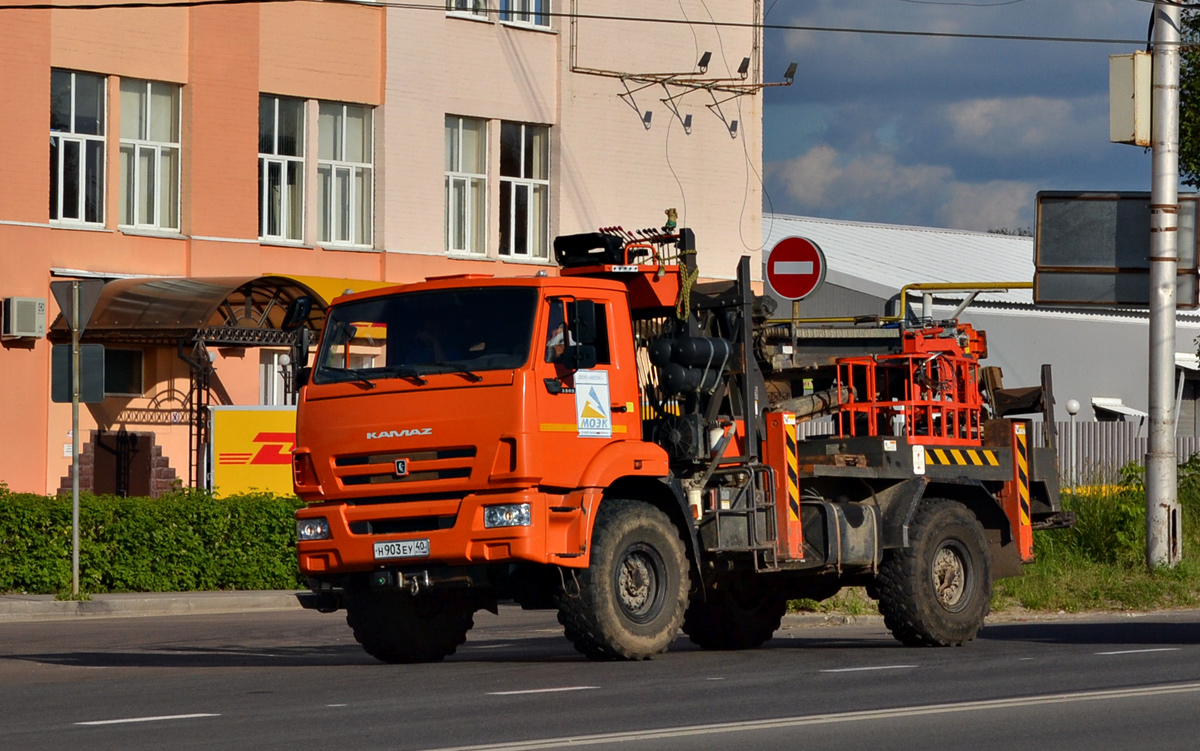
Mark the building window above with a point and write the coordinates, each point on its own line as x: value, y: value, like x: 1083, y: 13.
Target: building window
x: 467, y: 7
x: 344, y: 186
x: 78, y: 102
x: 466, y: 185
x: 123, y: 372
x: 524, y: 190
x: 531, y: 12
x: 149, y: 154
x: 281, y: 168
x: 274, y: 374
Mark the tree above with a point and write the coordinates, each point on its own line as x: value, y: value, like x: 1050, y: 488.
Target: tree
x: 1189, y: 100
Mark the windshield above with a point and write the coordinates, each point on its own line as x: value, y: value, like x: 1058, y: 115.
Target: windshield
x: 414, y: 335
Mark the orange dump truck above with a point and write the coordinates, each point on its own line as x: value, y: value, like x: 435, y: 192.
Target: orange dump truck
x: 627, y: 447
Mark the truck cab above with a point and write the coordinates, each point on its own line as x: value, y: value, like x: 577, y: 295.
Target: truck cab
x: 468, y: 421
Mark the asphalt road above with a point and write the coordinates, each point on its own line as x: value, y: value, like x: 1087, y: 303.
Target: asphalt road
x: 296, y: 680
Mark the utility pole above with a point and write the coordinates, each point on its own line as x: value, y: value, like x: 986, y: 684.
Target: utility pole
x: 1163, y: 534
x: 75, y: 383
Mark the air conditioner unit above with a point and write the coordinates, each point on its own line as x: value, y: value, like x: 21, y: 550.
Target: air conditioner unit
x: 24, y: 317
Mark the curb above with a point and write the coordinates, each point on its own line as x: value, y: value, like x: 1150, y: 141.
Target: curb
x: 14, y: 608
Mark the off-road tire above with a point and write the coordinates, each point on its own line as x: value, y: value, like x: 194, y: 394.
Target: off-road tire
x: 397, y: 627
x: 628, y: 604
x: 734, y: 616
x: 937, y: 592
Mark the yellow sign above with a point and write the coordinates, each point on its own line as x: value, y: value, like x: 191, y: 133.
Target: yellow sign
x: 250, y: 449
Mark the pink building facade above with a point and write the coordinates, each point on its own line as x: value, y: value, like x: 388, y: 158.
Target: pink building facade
x: 343, y: 146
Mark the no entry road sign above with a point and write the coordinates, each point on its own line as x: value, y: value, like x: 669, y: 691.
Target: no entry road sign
x: 795, y: 268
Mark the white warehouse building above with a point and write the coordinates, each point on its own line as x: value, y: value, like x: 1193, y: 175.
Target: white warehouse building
x: 1099, y: 356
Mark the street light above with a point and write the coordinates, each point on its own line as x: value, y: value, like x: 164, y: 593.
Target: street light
x: 285, y: 372
x: 1072, y: 410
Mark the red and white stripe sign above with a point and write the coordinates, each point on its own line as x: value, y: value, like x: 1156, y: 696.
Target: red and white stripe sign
x: 795, y: 268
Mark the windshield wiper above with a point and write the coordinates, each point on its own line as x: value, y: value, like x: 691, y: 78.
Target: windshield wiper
x: 473, y: 377
x: 407, y: 372
x: 355, y: 375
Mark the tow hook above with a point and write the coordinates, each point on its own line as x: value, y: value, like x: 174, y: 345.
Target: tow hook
x: 390, y: 579
x: 416, y: 582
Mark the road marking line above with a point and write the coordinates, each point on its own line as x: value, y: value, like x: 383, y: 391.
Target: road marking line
x: 160, y: 718
x: 335, y: 705
x: 857, y: 670
x: 1139, y: 651
x: 542, y: 690
x: 714, y: 679
x: 828, y: 719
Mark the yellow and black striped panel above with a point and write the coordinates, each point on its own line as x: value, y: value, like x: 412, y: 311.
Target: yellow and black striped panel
x: 793, y: 472
x: 1023, y: 472
x: 961, y: 457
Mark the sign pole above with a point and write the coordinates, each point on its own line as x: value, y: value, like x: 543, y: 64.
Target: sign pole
x: 1163, y: 535
x: 75, y: 382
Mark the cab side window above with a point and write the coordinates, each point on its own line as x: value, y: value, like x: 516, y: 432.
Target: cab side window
x: 558, y: 335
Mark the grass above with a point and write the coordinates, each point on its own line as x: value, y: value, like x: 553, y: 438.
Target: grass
x: 1099, y: 564
x: 850, y: 601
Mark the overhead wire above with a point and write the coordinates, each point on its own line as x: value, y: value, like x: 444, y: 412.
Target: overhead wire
x: 441, y: 7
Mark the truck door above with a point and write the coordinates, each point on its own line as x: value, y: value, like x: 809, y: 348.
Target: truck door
x: 593, y: 406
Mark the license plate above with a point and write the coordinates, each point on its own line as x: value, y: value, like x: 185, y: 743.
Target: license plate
x: 402, y: 549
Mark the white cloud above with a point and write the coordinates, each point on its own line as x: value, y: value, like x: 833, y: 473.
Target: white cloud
x: 1019, y: 125
x: 999, y: 204
x: 876, y: 187
x: 810, y: 177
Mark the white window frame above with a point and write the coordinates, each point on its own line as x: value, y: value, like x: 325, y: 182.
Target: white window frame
x: 468, y: 8
x: 272, y: 386
x: 526, y: 13
x: 265, y: 162
x: 330, y: 235
x: 139, y: 145
x: 527, y: 184
x: 475, y: 238
x: 81, y: 140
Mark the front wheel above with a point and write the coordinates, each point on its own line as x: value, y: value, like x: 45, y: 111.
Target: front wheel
x: 397, y: 627
x: 629, y: 602
x: 938, y: 591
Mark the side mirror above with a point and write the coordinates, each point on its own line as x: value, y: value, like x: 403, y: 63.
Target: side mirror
x: 579, y: 357
x: 583, y: 322
x: 297, y: 313
x: 302, y: 376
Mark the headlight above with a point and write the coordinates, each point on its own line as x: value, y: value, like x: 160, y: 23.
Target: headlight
x: 312, y: 529
x: 508, y: 515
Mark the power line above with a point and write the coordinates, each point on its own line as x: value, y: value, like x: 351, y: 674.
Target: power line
x: 965, y: 5
x: 441, y: 7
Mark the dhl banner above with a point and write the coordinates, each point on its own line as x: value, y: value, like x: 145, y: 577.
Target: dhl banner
x: 250, y: 449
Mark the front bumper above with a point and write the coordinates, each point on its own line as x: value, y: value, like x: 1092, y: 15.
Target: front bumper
x: 454, y: 528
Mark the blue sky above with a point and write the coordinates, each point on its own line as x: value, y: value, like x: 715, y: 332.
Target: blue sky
x: 941, y: 132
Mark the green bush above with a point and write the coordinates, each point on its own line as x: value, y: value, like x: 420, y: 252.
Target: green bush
x: 179, y: 542
x: 1100, y: 563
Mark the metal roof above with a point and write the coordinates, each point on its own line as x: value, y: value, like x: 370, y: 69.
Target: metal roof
x: 879, y: 259
x: 147, y: 308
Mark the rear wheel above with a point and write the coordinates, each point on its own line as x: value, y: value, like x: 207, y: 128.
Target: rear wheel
x: 735, y: 614
x: 629, y: 602
x: 938, y: 591
x: 397, y: 627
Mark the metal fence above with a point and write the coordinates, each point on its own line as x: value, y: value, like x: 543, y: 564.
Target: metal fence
x: 1096, y: 450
